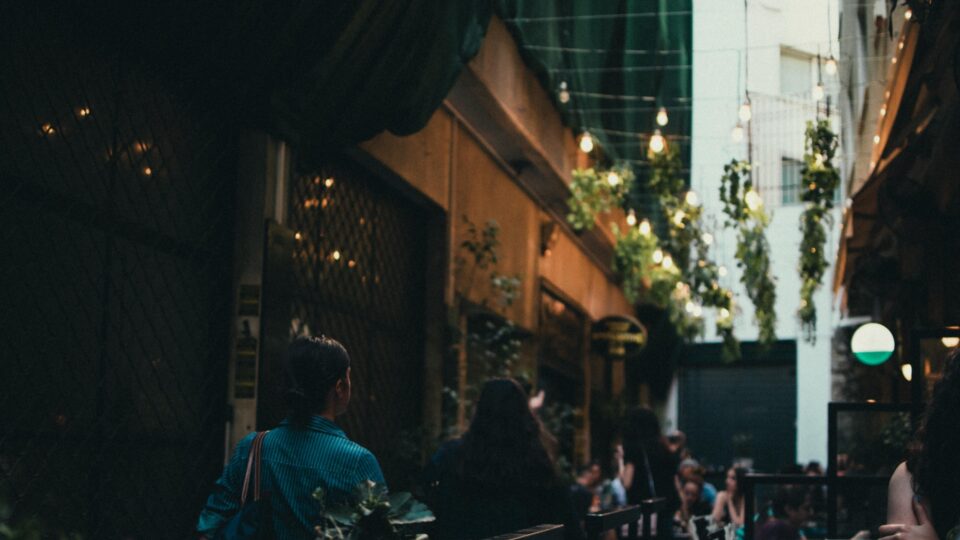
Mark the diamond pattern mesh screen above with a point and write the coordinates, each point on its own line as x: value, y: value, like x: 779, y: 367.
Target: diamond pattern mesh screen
x: 116, y: 231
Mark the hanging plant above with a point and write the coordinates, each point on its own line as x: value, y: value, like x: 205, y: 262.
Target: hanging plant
x: 821, y: 180
x: 745, y: 213
x: 594, y: 192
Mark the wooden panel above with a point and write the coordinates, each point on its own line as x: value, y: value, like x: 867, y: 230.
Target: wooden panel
x: 422, y: 159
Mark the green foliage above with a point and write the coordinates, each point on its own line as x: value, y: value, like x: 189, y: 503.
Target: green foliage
x: 374, y: 516
x: 745, y: 213
x: 28, y: 529
x: 592, y: 194
x: 821, y: 179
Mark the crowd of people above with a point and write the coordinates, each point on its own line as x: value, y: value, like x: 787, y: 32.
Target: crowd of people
x: 501, y: 475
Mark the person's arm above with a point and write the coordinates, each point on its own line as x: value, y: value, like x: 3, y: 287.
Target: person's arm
x: 224, y: 502
x: 900, y: 497
x: 369, y: 469
x: 718, y: 505
x: 626, y: 475
x: 923, y: 530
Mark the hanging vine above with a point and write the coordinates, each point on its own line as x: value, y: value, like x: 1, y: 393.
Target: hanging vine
x: 821, y: 180
x: 594, y: 192
x: 745, y: 213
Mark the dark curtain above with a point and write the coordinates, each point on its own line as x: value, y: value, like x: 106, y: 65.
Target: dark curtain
x: 318, y: 73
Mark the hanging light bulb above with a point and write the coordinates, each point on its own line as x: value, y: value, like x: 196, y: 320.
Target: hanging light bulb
x: 737, y: 133
x: 692, y: 199
x: 908, y: 14
x: 563, y: 94
x: 613, y: 179
x: 645, y: 228
x: 818, y: 92
x: 707, y: 238
x: 586, y: 142
x: 831, y: 66
x: 679, y: 217
x: 753, y: 200
x: 657, y: 142
x: 667, y: 262
x: 658, y: 256
x: 662, y: 118
x: 631, y: 218
x: 724, y: 313
x: 722, y: 271
x: 746, y: 112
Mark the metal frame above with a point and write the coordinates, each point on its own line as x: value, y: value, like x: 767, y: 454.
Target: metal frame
x: 918, y: 380
x: 597, y: 524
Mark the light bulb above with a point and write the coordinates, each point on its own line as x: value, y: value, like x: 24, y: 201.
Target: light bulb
x: 746, y: 112
x: 662, y: 118
x: 679, y: 217
x: 907, y: 371
x: 753, y: 200
x: 336, y: 255
x: 658, y: 256
x: 707, y: 238
x: 950, y: 342
x: 722, y: 271
x: 692, y: 198
x: 657, y: 142
x: 328, y: 182
x: 631, y: 218
x: 831, y: 66
x: 818, y: 92
x: 737, y: 133
x: 667, y: 262
x: 690, y: 307
x: 724, y: 313
x: 908, y: 14
x: 563, y: 94
x: 645, y: 228
x: 586, y: 143
x: 613, y: 179
x: 876, y: 139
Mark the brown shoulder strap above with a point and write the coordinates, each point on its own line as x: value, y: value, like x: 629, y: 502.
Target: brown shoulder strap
x: 253, y: 462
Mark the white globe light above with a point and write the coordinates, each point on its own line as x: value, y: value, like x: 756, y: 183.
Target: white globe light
x: 746, y: 112
x: 692, y: 198
x: 737, y: 133
x: 707, y: 238
x: 563, y: 94
x: 662, y: 118
x: 872, y: 344
x: 631, y: 218
x: 722, y: 271
x: 831, y: 66
x: 753, y: 200
x: 586, y: 143
x: 657, y: 142
x: 658, y: 256
x: 645, y: 228
x: 613, y: 179
x: 667, y: 262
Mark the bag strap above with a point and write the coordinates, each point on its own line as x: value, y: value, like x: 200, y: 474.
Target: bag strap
x: 253, y: 461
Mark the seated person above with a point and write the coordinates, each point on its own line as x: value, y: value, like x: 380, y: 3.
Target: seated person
x: 692, y: 503
x: 791, y: 510
x: 585, y: 489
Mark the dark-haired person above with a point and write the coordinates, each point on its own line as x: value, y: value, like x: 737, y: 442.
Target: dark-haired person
x: 304, y: 452
x: 791, y: 509
x: 649, y: 468
x: 729, y: 506
x: 497, y: 478
x: 922, y: 500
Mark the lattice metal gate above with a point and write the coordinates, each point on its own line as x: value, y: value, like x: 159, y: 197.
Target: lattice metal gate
x: 116, y: 231
x: 350, y: 264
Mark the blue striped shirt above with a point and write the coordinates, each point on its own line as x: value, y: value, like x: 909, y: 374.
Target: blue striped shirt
x: 295, y: 461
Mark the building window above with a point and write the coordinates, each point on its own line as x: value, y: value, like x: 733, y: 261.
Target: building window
x: 790, y: 180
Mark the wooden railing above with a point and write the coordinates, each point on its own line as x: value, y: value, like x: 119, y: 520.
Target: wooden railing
x: 597, y: 524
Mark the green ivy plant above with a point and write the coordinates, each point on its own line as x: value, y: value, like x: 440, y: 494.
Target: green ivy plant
x: 595, y: 192
x: 744, y: 210
x: 821, y: 180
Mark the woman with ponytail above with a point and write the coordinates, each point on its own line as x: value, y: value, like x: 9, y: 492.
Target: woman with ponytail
x: 306, y: 451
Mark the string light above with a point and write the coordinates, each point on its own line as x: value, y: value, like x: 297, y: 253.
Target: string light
x: 83, y: 112
x: 328, y: 182
x: 876, y: 139
x: 893, y: 60
x: 831, y: 66
x: 658, y: 256
x: 722, y: 271
x: 613, y: 179
x: 883, y: 111
x: 631, y: 218
x: 298, y: 236
x: 645, y: 228
x: 586, y: 142
x: 657, y: 142
x: 724, y: 313
x: 737, y: 133
x: 707, y: 238
x: 662, y: 118
x: 678, y: 218
x: 48, y: 129
x: 950, y: 342
x: 563, y: 93
x: 336, y: 255
x: 692, y: 199
x: 746, y: 112
x: 147, y: 171
x: 667, y: 262
x: 818, y: 92
x: 753, y: 200
x: 908, y: 14
x: 907, y: 371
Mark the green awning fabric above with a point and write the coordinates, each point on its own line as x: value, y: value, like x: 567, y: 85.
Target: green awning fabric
x: 620, y: 60
x: 322, y: 73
